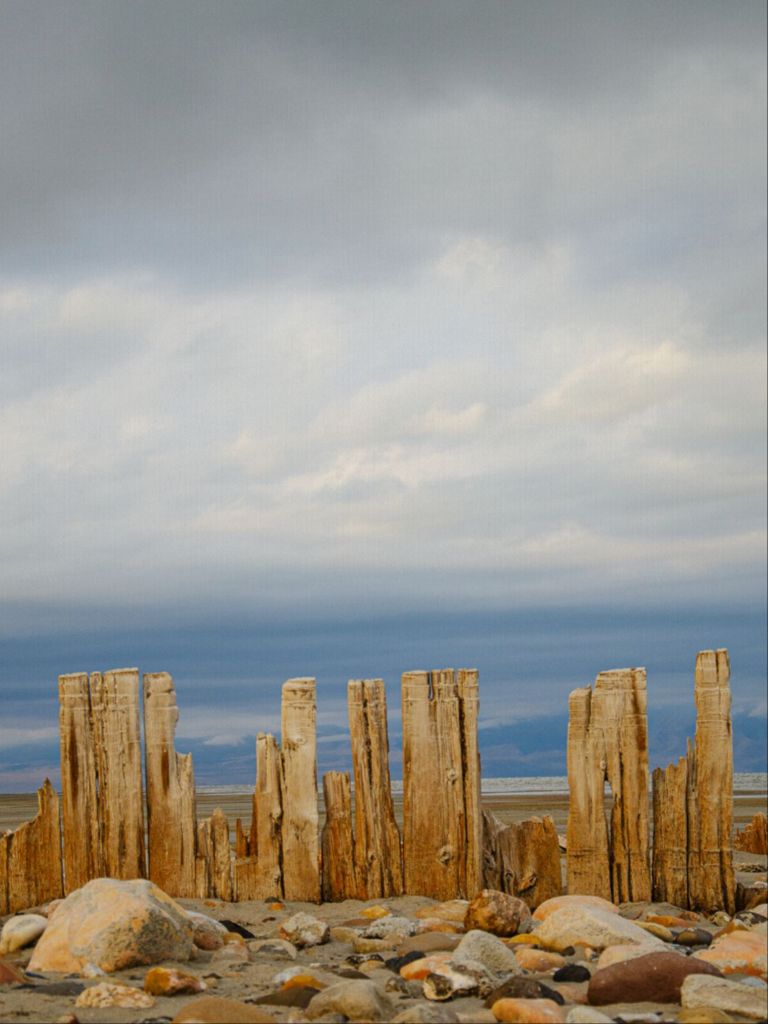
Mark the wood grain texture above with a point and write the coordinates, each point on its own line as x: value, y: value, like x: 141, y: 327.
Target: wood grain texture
x: 34, y: 871
x: 522, y: 858
x: 339, y: 875
x: 170, y: 793
x: 469, y: 709
x: 377, y: 846
x: 300, y: 823
x: 117, y: 745
x: 260, y: 875
x: 670, y: 834
x: 79, y: 787
x: 753, y: 838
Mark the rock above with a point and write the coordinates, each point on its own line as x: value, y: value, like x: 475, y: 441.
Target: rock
x: 395, y: 963
x: 107, y: 994
x: 273, y: 949
x: 738, y: 952
x: 217, y: 1010
x: 387, y: 926
x: 450, y: 910
x: 164, y: 981
x: 343, y: 933
x: 361, y: 945
x: 572, y: 972
x: 114, y: 924
x: 356, y: 1000
x: 522, y: 988
x: 462, y: 979
x: 538, y: 961
x: 438, y: 924
x: 21, y: 931
x: 723, y: 994
x: 656, y: 929
x: 298, y: 996
x: 10, y: 975
x: 586, y: 1015
x: 488, y: 950
x: 572, y: 992
x: 429, y: 942
x: 304, y: 930
x: 208, y: 933
x: 528, y: 1011
x: 542, y: 912
x: 498, y: 913
x: 374, y: 912
x: 591, y: 926
x: 417, y: 970
x: 655, y: 978
x: 426, y: 1013
x: 703, y: 1015
x: 693, y: 937
x: 624, y: 951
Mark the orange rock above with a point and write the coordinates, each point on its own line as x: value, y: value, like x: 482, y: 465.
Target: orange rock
x: 9, y: 975
x: 450, y: 910
x: 527, y: 939
x: 537, y: 961
x: 739, y: 952
x: 667, y: 920
x: 303, y: 981
x: 573, y: 991
x: 164, y: 981
x: 439, y: 924
x: 373, y: 913
x: 498, y: 913
x: 276, y: 906
x: 620, y: 952
x: 417, y: 970
x: 527, y: 1011
x: 542, y: 912
x: 235, y: 938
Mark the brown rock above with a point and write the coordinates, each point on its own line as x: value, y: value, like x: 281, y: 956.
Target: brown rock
x: 428, y: 942
x: 498, y: 913
x: 217, y: 1010
x: 537, y: 961
x: 449, y: 910
x: 528, y: 1011
x: 654, y: 978
x: 10, y: 975
x: 164, y: 981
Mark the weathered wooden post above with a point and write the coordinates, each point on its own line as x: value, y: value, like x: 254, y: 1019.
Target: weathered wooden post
x: 670, y: 834
x: 116, y: 730
x: 522, y: 858
x: 469, y: 708
x: 377, y: 848
x: 260, y: 875
x: 300, y: 832
x: 339, y: 881
x: 440, y: 786
x: 711, y: 883
x: 79, y: 796
x: 30, y: 857
x: 608, y: 741
x: 171, y: 815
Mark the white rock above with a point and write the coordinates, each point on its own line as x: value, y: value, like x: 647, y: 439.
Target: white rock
x: 723, y: 994
x: 591, y: 926
x: 384, y: 926
x: 304, y: 930
x: 586, y: 1015
x: 21, y: 930
x: 488, y: 950
x: 356, y: 1000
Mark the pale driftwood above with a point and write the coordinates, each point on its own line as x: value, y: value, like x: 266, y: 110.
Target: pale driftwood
x: 116, y: 733
x: 203, y: 861
x: 259, y: 874
x: 469, y: 706
x: 753, y: 838
x: 220, y: 856
x: 300, y: 830
x: 242, y: 840
x: 522, y: 858
x: 79, y: 797
x: 436, y: 749
x: 339, y: 880
x: 608, y: 741
x: 377, y: 848
x: 171, y: 819
x: 670, y: 834
x: 5, y: 845
x: 33, y: 851
x: 711, y: 883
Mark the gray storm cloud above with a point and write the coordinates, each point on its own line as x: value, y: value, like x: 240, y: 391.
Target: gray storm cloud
x: 382, y: 301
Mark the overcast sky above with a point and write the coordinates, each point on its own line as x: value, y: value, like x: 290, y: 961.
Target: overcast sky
x: 314, y: 308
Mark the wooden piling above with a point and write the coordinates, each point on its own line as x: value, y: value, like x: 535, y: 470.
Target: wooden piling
x: 31, y: 855
x: 436, y: 750
x: 670, y: 834
x: 79, y: 795
x: 171, y: 816
x: 117, y: 743
x: 522, y: 858
x: 377, y: 846
x: 260, y: 875
x: 339, y: 875
x: 300, y: 831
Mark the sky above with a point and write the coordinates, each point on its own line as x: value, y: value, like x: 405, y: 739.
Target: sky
x: 343, y: 339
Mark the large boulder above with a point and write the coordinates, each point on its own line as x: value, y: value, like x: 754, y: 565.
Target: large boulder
x: 114, y: 924
x: 583, y: 925
x: 655, y: 978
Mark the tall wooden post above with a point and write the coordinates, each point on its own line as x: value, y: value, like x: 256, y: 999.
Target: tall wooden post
x: 437, y: 755
x: 339, y: 881
x: 260, y: 875
x: 377, y: 837
x: 115, y: 703
x: 301, y: 841
x: 79, y: 796
x: 469, y: 707
x: 171, y: 816
x: 32, y: 856
x: 670, y: 834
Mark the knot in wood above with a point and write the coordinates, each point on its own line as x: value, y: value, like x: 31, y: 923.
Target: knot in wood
x: 451, y: 775
x: 445, y: 854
